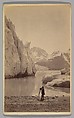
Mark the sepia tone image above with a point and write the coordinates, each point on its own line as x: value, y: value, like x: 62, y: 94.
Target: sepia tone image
x: 37, y: 58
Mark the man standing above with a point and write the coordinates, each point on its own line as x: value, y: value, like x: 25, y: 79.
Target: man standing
x: 43, y: 93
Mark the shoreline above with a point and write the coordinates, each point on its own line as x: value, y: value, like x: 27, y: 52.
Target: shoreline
x: 33, y: 104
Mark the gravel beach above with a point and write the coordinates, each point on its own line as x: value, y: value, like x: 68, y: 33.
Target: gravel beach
x: 33, y: 104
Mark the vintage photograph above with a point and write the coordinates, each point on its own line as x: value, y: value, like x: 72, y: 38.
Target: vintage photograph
x: 37, y: 59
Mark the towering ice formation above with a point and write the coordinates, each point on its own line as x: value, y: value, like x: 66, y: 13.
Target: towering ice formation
x: 18, y: 61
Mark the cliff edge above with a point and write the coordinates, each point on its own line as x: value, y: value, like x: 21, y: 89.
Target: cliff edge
x: 18, y: 61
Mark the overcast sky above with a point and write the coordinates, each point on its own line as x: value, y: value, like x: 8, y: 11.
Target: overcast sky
x: 47, y: 27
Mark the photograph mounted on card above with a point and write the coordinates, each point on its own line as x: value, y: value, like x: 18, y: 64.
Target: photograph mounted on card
x: 37, y: 59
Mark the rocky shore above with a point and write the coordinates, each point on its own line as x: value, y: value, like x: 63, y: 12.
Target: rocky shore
x: 57, y: 81
x: 33, y: 104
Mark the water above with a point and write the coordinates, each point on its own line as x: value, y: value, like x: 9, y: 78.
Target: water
x: 29, y: 86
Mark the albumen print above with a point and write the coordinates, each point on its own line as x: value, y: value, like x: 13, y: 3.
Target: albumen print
x: 36, y: 59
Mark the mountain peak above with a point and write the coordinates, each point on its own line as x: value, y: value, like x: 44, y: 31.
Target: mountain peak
x: 38, y: 54
x: 55, y: 54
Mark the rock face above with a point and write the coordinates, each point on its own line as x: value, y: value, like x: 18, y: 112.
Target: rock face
x: 57, y: 61
x: 60, y: 81
x: 18, y: 61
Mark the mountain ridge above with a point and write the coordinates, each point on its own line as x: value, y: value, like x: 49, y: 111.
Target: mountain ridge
x: 57, y: 60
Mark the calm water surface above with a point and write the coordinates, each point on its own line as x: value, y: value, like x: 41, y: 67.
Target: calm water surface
x: 29, y: 86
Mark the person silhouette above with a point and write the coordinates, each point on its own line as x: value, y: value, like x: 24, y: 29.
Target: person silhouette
x: 41, y: 93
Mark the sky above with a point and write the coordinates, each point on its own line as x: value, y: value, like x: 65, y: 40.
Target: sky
x: 45, y: 26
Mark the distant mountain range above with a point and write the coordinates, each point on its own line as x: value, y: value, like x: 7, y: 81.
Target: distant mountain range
x: 57, y: 60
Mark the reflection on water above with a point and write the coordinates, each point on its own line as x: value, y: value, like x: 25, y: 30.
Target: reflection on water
x: 18, y: 87
x: 28, y: 86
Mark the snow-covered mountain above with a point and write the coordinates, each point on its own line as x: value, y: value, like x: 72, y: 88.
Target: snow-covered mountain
x: 57, y: 60
x: 38, y: 54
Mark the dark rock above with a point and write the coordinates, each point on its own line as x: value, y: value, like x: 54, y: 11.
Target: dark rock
x: 53, y: 97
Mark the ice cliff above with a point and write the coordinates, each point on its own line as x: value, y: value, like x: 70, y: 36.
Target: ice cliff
x: 18, y: 61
